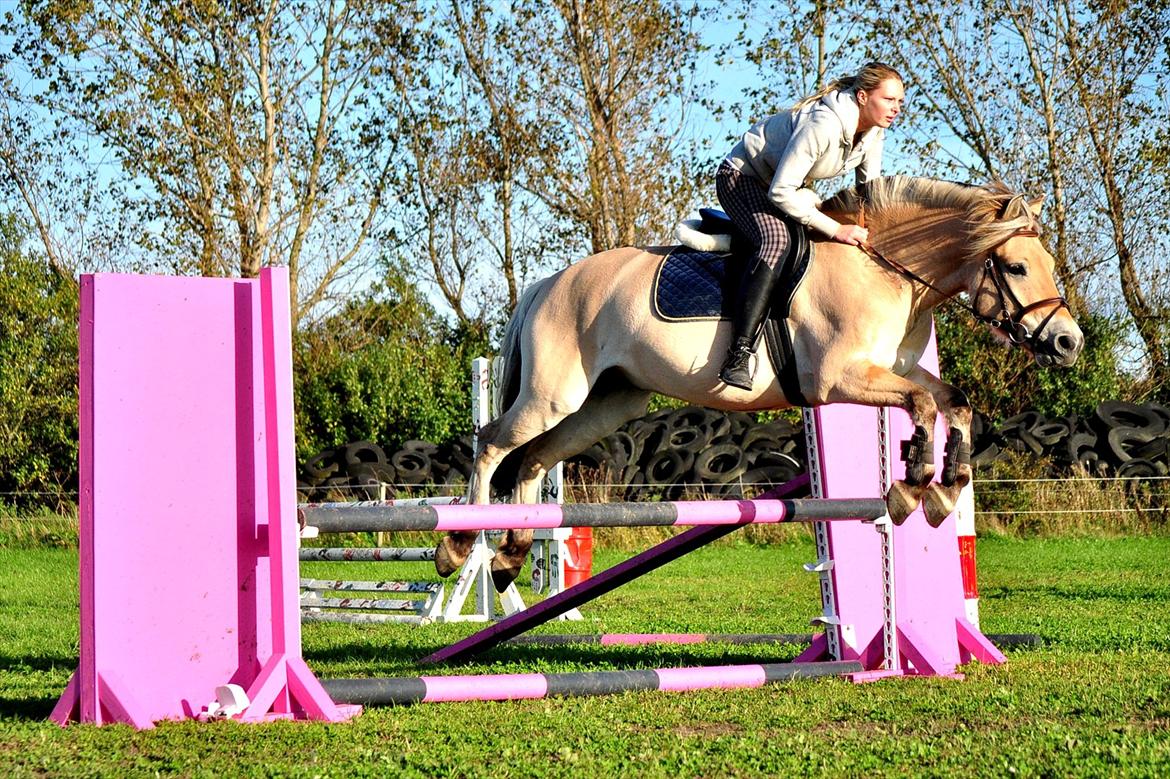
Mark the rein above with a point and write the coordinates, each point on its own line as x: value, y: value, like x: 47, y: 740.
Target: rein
x: 1006, y: 322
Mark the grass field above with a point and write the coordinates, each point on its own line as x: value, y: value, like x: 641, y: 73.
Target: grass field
x: 1094, y: 700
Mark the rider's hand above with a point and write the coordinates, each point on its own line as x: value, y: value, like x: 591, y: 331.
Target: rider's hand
x: 854, y: 235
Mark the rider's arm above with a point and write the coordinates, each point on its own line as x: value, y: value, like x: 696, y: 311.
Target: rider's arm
x: 809, y: 142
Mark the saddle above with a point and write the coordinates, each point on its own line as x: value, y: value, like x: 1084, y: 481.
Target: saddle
x: 699, y: 280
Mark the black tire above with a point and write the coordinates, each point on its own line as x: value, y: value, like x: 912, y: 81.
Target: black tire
x: 717, y: 426
x: 639, y: 430
x: 362, y: 452
x: 1157, y: 450
x: 757, y: 480
x: 366, y: 482
x: 777, y: 460
x: 691, y: 439
x: 664, y: 468
x: 1051, y: 433
x: 412, y: 466
x: 426, y: 447
x: 759, y: 433
x: 1118, y: 413
x: 1162, y: 413
x: 780, y: 428
x: 688, y: 416
x: 622, y: 448
x: 636, y: 487
x: 1021, y: 440
x: 1138, y: 468
x: 717, y: 464
x: 1078, y: 446
x: 593, y: 458
x: 741, y: 421
x: 1123, y: 441
x: 322, y: 466
x: 986, y: 455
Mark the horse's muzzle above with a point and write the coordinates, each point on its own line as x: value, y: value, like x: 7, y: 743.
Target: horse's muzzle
x: 1060, y: 344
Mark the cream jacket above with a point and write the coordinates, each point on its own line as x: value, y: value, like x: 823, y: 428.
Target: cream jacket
x: 791, y: 149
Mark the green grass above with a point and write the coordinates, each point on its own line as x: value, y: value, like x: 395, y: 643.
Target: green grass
x: 1094, y: 700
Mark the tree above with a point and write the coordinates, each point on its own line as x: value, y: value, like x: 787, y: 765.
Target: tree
x: 1117, y: 88
x: 38, y: 373
x: 609, y: 87
x: 1066, y: 116
x: 244, y: 133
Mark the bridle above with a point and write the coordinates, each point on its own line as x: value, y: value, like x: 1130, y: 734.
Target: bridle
x: 1007, y: 321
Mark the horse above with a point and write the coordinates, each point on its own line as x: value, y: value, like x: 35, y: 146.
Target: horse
x: 584, y: 350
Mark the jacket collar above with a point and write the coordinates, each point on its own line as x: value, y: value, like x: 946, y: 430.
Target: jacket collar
x: 843, y: 104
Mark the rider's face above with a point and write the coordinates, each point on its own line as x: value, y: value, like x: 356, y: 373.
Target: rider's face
x: 881, y: 105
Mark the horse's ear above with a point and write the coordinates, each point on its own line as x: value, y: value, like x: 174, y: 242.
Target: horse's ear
x: 1036, y: 205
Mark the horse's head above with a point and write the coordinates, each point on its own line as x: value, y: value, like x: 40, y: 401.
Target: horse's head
x: 1015, y: 291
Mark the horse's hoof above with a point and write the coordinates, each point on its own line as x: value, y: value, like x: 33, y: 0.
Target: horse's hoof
x: 901, y: 500
x: 937, y: 505
x: 503, y: 573
x: 448, y: 560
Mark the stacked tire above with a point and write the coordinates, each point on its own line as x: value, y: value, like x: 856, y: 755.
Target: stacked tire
x: 357, y: 471
x: 1118, y: 439
x: 731, y: 455
x: 717, y: 453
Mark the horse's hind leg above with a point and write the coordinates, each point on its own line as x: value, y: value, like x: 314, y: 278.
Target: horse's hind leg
x: 609, y: 405
x: 524, y: 421
x: 941, y: 498
x: 872, y: 385
x: 454, y: 548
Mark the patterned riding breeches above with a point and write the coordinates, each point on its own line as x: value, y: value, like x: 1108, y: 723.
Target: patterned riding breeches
x: 745, y: 199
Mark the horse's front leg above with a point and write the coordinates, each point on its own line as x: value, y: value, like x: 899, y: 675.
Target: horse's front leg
x: 872, y: 385
x: 942, y: 496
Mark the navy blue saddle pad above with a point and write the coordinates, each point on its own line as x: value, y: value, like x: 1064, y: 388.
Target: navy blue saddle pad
x: 691, y: 284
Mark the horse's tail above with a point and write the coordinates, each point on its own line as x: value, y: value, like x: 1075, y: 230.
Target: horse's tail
x: 508, y: 378
x: 511, y: 358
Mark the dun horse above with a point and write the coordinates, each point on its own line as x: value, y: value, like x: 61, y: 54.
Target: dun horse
x: 584, y: 348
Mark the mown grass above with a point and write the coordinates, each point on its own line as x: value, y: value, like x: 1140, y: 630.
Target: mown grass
x: 1094, y: 700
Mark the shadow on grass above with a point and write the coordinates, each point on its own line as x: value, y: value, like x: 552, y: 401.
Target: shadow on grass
x: 27, y: 708
x: 38, y: 663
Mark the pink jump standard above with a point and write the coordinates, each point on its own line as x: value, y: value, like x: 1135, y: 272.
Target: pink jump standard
x: 187, y: 440
x: 893, y: 599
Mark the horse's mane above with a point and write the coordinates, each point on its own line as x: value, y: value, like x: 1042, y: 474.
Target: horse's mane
x: 992, y: 212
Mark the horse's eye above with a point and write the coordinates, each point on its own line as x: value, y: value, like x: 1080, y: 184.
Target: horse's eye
x: 1017, y: 269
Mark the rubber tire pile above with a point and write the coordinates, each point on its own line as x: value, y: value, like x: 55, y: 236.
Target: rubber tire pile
x: 729, y: 454
x: 1119, y: 439
x: 657, y: 456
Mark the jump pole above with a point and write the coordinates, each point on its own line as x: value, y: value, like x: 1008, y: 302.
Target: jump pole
x: 373, y: 517
x: 504, y: 687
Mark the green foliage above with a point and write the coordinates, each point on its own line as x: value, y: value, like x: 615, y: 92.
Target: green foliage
x: 384, y: 369
x: 1002, y: 382
x: 38, y: 373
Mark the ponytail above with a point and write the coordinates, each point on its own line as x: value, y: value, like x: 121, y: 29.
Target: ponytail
x: 869, y: 77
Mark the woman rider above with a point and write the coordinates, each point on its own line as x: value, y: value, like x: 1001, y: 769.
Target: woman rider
x: 763, y: 185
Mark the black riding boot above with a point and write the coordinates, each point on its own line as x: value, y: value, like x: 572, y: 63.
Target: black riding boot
x: 752, y: 303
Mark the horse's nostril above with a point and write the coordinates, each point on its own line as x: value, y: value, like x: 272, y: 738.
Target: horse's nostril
x: 1066, y: 344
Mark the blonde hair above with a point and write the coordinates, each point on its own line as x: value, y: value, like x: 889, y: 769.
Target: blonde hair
x: 871, y: 75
